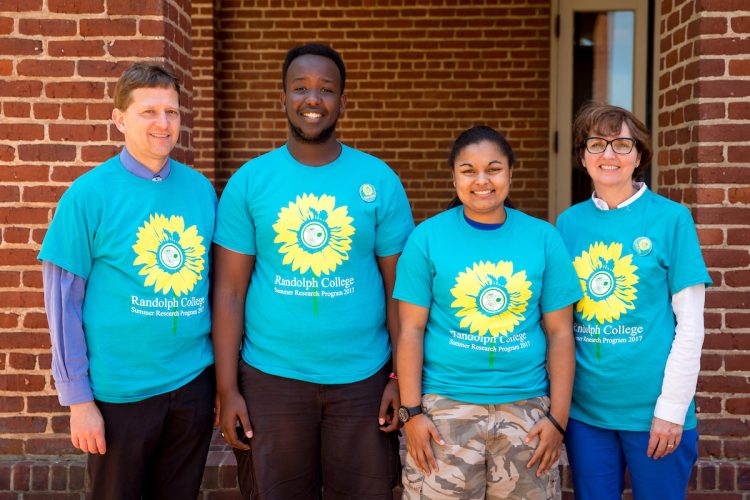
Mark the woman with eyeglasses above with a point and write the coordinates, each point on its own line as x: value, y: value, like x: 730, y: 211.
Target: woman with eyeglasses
x: 639, y: 326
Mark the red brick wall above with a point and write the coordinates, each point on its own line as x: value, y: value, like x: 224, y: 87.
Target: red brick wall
x: 417, y: 75
x: 59, y: 60
x: 203, y: 110
x: 704, y: 161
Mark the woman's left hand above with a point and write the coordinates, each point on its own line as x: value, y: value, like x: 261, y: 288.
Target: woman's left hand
x: 548, y: 450
x: 665, y: 438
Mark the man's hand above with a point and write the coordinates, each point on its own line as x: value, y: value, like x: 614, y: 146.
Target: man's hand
x: 87, y: 428
x: 389, y: 404
x: 234, y: 412
x: 217, y: 411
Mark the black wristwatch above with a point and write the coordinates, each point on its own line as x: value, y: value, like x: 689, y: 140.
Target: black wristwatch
x: 406, y: 412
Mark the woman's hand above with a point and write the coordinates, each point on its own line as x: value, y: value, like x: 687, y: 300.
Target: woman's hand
x: 419, y: 429
x: 548, y: 450
x: 665, y: 438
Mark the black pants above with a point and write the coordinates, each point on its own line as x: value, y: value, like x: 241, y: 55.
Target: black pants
x: 308, y: 437
x: 157, y: 447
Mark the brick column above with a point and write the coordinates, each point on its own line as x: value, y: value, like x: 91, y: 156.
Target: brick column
x: 204, y: 97
x: 704, y: 161
x: 59, y: 60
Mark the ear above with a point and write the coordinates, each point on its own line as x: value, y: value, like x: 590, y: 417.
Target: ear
x: 119, y: 118
x: 453, y: 177
x: 582, y: 159
x: 342, y: 107
x: 282, y: 98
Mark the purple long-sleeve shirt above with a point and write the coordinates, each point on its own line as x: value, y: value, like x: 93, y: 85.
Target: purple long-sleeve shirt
x: 63, y: 299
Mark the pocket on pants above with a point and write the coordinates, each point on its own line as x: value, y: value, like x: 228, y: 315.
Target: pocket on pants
x: 413, y: 480
x: 246, y: 474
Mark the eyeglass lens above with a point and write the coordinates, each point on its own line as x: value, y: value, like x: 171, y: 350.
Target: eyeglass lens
x: 621, y: 145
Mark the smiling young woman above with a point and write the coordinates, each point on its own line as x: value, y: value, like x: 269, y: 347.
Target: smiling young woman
x: 475, y: 283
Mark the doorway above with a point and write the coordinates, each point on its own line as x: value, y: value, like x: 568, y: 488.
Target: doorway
x: 601, y: 53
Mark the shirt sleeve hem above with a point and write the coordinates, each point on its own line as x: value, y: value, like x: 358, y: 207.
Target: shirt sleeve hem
x: 698, y: 280
x: 74, y: 392
x: 65, y: 266
x: 411, y: 300
x: 234, y: 248
x: 562, y: 303
x: 670, y: 411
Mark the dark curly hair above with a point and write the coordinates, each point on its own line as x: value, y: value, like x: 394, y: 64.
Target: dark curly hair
x: 316, y: 49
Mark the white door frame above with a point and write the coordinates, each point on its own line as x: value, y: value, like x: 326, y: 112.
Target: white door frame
x: 561, y: 86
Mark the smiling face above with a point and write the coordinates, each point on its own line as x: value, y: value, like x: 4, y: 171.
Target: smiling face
x: 312, y: 99
x: 151, y: 124
x: 612, y: 173
x: 481, y: 175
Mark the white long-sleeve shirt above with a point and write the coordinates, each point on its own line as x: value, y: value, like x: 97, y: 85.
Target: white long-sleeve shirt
x: 683, y: 363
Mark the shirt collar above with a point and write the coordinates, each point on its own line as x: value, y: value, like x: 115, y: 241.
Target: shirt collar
x: 140, y: 170
x: 602, y: 205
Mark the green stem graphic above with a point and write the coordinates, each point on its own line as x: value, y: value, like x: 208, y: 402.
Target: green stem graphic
x: 315, y: 298
x: 598, y: 346
x: 174, y: 318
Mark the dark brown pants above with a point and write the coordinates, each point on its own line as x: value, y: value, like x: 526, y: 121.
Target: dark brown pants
x: 157, y: 447
x: 310, y: 437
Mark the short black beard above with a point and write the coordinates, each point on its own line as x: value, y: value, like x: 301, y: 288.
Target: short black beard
x: 322, y: 137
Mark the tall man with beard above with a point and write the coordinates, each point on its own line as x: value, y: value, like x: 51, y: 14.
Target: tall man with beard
x: 306, y: 245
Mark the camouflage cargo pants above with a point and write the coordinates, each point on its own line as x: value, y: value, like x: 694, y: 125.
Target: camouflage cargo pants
x: 484, y: 456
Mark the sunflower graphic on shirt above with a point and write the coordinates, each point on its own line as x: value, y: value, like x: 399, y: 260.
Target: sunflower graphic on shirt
x: 608, y: 281
x: 491, y: 298
x: 314, y: 234
x: 171, y: 256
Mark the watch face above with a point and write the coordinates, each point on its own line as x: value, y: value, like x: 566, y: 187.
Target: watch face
x: 403, y: 414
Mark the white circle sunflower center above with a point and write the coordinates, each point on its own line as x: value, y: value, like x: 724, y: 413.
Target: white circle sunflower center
x: 170, y: 256
x: 314, y: 235
x: 601, y: 284
x: 493, y: 299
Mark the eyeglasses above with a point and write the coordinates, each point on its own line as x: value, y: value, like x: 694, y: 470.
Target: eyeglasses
x: 621, y: 145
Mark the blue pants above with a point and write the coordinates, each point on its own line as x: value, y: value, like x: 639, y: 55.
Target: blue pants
x: 598, y: 458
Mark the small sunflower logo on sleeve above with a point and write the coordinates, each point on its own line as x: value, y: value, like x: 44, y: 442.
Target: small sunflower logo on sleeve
x: 171, y: 257
x: 491, y: 298
x: 608, y: 281
x: 314, y: 234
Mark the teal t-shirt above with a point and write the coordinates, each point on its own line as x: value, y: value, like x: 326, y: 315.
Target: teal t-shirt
x: 486, y: 291
x: 143, y: 249
x: 315, y: 308
x: 630, y: 261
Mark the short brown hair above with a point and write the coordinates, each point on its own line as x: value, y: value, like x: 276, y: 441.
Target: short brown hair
x: 143, y: 75
x: 604, y: 119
